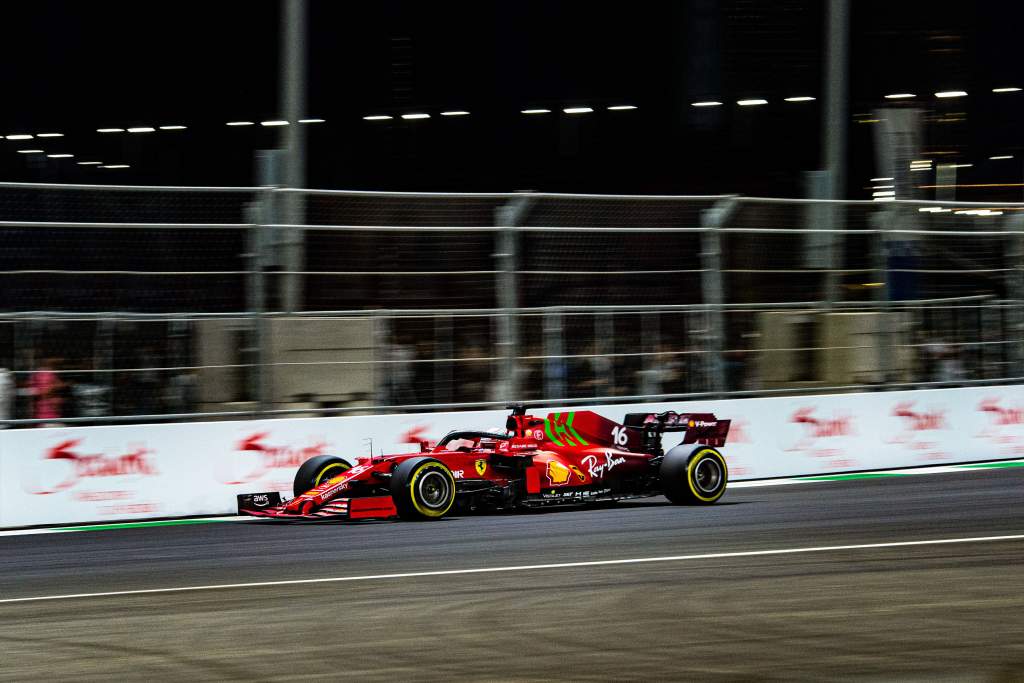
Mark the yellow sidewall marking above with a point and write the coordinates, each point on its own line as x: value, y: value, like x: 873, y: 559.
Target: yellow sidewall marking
x: 320, y: 478
x: 425, y: 511
x: 693, y: 463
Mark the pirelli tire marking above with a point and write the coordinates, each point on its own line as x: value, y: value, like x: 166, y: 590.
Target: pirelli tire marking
x: 707, y: 474
x: 336, y: 468
x: 432, y: 489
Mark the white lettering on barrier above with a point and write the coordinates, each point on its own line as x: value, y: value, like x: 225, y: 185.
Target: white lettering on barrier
x: 72, y: 475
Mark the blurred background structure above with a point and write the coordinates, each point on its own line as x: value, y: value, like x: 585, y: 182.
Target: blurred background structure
x: 164, y: 257
x: 171, y: 301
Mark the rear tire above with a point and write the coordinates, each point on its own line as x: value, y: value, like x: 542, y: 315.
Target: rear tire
x: 422, y: 488
x: 694, y: 477
x: 316, y: 471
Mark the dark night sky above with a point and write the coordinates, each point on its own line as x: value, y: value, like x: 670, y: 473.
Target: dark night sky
x: 73, y: 67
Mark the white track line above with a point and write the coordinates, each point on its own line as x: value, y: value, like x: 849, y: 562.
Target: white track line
x: 520, y: 568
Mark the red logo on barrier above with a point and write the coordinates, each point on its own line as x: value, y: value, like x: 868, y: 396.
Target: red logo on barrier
x: 1003, y: 430
x: 920, y: 421
x: 270, y: 457
x: 738, y: 431
x: 1001, y: 416
x: 133, y: 462
x: 418, y: 435
x: 823, y: 427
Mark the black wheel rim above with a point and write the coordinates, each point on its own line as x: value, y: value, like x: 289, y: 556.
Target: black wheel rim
x: 433, y: 489
x: 707, y: 475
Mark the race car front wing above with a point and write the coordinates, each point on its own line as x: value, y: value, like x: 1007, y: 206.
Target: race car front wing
x: 270, y: 505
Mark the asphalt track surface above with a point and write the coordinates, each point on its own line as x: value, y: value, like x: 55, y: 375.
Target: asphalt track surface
x: 911, y: 612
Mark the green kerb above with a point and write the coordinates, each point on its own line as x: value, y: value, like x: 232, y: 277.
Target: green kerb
x: 861, y: 475
x: 141, y: 525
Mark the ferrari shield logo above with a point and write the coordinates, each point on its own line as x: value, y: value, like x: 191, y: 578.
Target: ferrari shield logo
x: 557, y: 472
x: 481, y: 467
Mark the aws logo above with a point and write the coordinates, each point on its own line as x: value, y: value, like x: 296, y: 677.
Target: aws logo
x: 559, y: 473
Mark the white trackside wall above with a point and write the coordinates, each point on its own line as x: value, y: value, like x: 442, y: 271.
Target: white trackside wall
x: 95, y: 474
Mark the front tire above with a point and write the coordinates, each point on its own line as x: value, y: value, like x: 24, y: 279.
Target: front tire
x: 422, y: 488
x: 694, y: 477
x: 317, y: 470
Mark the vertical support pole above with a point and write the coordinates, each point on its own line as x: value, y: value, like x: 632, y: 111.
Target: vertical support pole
x: 294, y: 35
x: 834, y: 124
x: 713, y: 289
x: 260, y: 384
x: 834, y: 127
x: 884, y: 346
x: 509, y: 217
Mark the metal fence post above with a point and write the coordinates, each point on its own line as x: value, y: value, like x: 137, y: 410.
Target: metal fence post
x: 713, y: 289
x: 259, y: 215
x: 510, y: 217
x: 294, y: 53
x: 884, y: 346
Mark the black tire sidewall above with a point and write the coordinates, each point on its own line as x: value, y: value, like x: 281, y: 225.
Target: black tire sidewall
x: 306, y: 476
x: 406, y: 497
x: 677, y: 469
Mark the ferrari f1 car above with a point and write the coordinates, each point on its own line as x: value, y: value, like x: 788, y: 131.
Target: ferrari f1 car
x: 571, y: 458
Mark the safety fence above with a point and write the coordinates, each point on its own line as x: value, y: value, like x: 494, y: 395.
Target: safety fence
x: 161, y: 303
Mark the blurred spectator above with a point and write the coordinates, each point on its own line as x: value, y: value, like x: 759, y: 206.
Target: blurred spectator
x: 398, y: 374
x: 472, y: 376
x: 666, y: 373
x: 7, y: 390
x: 88, y: 397
x: 424, y: 371
x: 735, y: 370
x: 556, y: 376
x: 182, y: 392
x: 528, y: 372
x: 147, y: 382
x: 591, y: 373
x: 47, y: 390
x: 945, y: 361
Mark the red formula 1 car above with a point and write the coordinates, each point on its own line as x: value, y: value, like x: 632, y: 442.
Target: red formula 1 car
x: 568, y: 458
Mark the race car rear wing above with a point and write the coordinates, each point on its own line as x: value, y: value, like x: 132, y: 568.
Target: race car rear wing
x: 638, y: 432
x: 703, y: 428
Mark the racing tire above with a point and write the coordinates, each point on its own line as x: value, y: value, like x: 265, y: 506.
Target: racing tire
x: 694, y: 476
x: 316, y: 471
x: 422, y: 488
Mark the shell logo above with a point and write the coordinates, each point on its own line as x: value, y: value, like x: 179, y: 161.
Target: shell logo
x: 557, y: 472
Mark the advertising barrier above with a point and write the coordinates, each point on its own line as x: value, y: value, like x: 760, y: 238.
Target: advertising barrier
x: 94, y: 474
